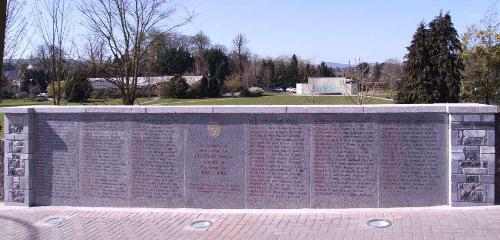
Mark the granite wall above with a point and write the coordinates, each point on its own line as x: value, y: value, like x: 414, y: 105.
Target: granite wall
x: 299, y: 157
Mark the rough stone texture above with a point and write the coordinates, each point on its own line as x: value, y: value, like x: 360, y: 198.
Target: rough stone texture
x: 18, y: 147
x: 473, y: 160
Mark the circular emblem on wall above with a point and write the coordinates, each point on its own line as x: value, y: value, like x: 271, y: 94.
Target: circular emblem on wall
x: 213, y: 129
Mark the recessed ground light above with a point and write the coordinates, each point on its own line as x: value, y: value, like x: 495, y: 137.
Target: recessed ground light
x: 379, y: 223
x: 54, y: 221
x: 201, y: 224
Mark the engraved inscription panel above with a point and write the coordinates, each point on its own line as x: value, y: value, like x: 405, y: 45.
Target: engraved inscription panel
x: 215, y: 162
x: 277, y: 162
x: 157, y: 162
x: 345, y: 162
x: 56, y: 160
x: 414, y: 166
x: 105, y: 167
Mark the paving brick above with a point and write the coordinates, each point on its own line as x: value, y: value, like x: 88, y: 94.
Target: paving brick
x: 106, y: 223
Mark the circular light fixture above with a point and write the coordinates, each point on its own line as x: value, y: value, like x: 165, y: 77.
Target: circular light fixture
x: 54, y: 221
x: 379, y: 223
x: 201, y: 224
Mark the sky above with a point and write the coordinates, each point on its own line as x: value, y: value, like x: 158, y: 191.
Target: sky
x: 318, y: 30
x: 327, y: 30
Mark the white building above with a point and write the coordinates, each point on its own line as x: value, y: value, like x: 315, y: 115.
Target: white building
x: 327, y: 86
x: 103, y: 83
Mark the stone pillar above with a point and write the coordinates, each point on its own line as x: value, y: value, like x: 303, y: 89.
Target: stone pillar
x: 472, y: 159
x: 17, y: 160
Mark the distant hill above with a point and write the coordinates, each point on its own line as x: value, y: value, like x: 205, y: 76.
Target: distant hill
x: 337, y: 65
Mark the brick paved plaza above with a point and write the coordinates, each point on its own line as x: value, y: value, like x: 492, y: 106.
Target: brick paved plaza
x: 118, y: 223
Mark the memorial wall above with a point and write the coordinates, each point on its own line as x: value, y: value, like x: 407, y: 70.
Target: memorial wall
x: 250, y: 157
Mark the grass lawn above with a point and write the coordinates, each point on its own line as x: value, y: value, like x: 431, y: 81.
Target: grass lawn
x: 269, y: 100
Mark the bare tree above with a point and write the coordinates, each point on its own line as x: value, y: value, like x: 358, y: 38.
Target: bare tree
x: 392, y: 72
x: 124, y: 25
x: 241, y: 52
x: 15, y: 30
x: 54, y: 25
x: 200, y: 43
x: 3, y: 20
x: 361, y: 81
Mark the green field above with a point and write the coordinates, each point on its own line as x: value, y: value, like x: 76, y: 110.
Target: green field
x: 270, y: 100
x: 265, y: 100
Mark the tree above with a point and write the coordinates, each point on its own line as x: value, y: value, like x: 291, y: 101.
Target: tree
x: 418, y: 84
x: 15, y: 29
x: 481, y: 54
x: 281, y: 77
x: 177, y: 87
x: 218, y: 69
x: 445, y: 58
x: 77, y: 88
x: 54, y: 26
x: 3, y: 18
x: 124, y: 25
x: 293, y: 70
x: 35, y: 78
x: 376, y: 71
x: 324, y: 70
x: 241, y: 53
x: 201, y: 42
x: 174, y: 61
x: 433, y: 66
x: 391, y: 74
x: 233, y: 84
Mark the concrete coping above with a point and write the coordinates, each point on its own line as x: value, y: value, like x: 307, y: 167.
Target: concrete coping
x: 460, y: 108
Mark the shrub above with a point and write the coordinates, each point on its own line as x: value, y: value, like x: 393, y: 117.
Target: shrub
x: 106, y: 93
x: 162, y: 89
x: 33, y: 92
x: 50, y: 89
x: 252, y: 92
x: 21, y: 95
x: 78, y: 88
x: 176, y: 87
x: 233, y: 84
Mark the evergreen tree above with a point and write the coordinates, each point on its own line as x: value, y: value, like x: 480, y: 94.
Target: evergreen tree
x: 417, y: 85
x: 325, y: 71
x: 174, y: 61
x: 445, y: 58
x: 432, y: 71
x: 293, y: 70
x: 78, y: 88
x: 218, y: 69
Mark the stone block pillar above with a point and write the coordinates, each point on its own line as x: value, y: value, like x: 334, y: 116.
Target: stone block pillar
x: 472, y: 154
x: 17, y: 160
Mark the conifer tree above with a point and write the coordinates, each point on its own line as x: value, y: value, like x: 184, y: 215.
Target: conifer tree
x: 445, y: 58
x: 418, y: 85
x: 432, y: 71
x: 293, y: 70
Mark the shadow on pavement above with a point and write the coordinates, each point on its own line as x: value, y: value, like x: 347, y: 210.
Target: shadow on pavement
x: 31, y: 230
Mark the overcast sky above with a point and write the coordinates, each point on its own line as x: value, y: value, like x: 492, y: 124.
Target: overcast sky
x: 324, y: 30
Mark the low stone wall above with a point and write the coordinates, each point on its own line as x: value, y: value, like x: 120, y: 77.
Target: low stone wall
x: 251, y: 156
x: 497, y: 144
x: 1, y: 169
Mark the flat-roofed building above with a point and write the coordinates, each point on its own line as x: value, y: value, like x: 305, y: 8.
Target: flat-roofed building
x: 327, y: 86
